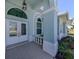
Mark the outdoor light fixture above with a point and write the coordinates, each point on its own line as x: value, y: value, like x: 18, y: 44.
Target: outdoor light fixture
x: 24, y: 5
x: 42, y: 8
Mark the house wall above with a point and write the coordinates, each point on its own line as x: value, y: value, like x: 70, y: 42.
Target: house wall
x: 53, y: 3
x: 29, y: 13
x: 62, y: 27
x: 49, y: 26
x: 50, y: 44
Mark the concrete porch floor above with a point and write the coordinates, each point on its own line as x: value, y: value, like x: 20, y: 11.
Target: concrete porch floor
x: 27, y: 51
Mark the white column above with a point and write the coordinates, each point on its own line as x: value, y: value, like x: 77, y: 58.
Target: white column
x: 53, y: 3
x: 55, y: 27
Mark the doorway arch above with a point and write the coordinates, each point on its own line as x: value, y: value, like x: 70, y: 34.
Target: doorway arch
x: 38, y: 29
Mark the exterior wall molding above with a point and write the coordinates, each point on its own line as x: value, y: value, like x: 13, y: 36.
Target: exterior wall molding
x: 48, y: 10
x: 16, y: 44
x: 38, y: 14
x: 16, y: 18
x: 50, y: 48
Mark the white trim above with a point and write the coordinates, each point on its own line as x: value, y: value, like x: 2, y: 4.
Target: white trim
x: 50, y: 48
x: 16, y: 18
x: 48, y: 10
x: 38, y: 14
x: 13, y: 40
x: 16, y: 44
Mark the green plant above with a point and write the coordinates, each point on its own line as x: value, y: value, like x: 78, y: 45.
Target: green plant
x: 68, y: 54
x: 66, y: 47
x: 63, y: 46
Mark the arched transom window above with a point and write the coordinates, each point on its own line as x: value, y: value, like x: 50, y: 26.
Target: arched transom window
x: 17, y: 12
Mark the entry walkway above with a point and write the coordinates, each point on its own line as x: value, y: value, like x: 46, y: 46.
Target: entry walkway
x: 27, y: 51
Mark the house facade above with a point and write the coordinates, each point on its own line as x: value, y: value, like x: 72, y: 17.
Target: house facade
x: 35, y: 20
x: 70, y: 26
x: 70, y: 22
x: 62, y: 24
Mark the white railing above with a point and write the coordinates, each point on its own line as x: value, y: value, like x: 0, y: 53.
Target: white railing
x: 39, y: 40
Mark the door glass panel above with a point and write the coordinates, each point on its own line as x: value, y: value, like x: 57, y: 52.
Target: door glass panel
x: 39, y: 26
x: 38, y: 31
x: 12, y: 29
x: 23, y: 29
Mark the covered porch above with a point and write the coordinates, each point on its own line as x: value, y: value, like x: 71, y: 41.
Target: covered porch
x: 27, y: 51
x: 32, y: 21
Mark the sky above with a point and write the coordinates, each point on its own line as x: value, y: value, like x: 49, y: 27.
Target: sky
x: 66, y: 5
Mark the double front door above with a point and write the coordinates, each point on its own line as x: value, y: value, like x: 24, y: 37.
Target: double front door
x: 16, y: 31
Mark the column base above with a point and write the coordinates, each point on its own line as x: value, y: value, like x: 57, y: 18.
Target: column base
x: 50, y: 48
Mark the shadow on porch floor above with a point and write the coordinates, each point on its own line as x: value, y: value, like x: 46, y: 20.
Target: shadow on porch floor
x: 27, y: 51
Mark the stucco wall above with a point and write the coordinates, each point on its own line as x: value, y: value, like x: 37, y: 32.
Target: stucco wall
x: 50, y: 26
x: 50, y: 44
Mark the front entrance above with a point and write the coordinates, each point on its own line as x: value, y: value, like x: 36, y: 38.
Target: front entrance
x: 39, y: 32
x: 17, y: 31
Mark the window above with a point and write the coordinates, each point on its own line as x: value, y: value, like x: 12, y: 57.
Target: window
x: 17, y: 12
x: 23, y: 29
x: 39, y: 20
x: 12, y: 29
x: 39, y: 26
x: 38, y: 31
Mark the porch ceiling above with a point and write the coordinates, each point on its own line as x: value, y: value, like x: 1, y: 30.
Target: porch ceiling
x: 32, y: 3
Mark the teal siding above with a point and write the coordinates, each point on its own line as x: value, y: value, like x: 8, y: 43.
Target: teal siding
x: 48, y: 27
